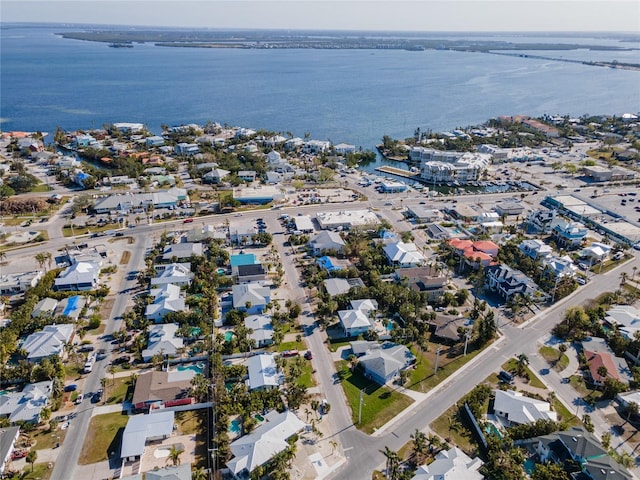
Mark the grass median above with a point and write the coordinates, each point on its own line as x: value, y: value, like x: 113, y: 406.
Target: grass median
x: 104, y: 436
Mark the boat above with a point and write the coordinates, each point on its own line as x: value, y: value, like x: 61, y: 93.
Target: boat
x: 120, y: 45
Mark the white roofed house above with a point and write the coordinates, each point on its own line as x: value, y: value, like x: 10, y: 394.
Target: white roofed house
x: 45, y: 307
x: 8, y: 438
x: 535, y: 249
x: 596, y: 252
x: 47, y: 342
x: 263, y: 372
x: 251, y: 297
x: 327, y: 240
x: 261, y: 329
x: 182, y: 251
x: 25, y: 406
x: 145, y: 428
x: 215, y: 176
x: 14, y: 283
x: 167, y: 299
x: 80, y: 276
x: 344, y: 148
x: 452, y: 464
x: 163, y: 341
x: 355, y: 322
x: 560, y: 266
x: 515, y: 408
x: 258, y: 447
x: 176, y: 273
x: 404, y: 255
x: 626, y: 318
x: 383, y: 364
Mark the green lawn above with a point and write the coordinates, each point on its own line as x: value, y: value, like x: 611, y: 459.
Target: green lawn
x: 334, y: 346
x: 116, y: 390
x: 292, y: 346
x: 48, y: 439
x: 534, y: 381
x: 380, y: 404
x: 307, y: 379
x: 66, y: 231
x: 454, y: 430
x: 578, y: 383
x: 104, y: 436
x: 566, y: 415
x: 559, y: 361
x: 41, y: 471
x: 40, y: 188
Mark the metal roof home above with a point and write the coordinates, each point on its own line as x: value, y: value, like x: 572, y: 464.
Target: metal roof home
x: 8, y: 438
x: 517, y: 408
x: 162, y: 340
x: 384, y: 363
x: 26, y: 405
x: 452, y: 464
x: 327, y: 240
x: 44, y: 307
x: 403, y: 254
x: 182, y: 250
x: 262, y: 329
x: 167, y: 299
x: 337, y: 286
x: 47, y: 342
x: 176, y: 273
x: 80, y: 276
x: 143, y: 428
x: 263, y: 443
x: 251, y: 297
x: 354, y: 322
x: 263, y: 372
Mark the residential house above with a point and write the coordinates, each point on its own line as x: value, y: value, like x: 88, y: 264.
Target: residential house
x: 8, y: 438
x: 25, y: 406
x: 303, y: 223
x: 516, y: 408
x: 251, y: 297
x: 428, y: 279
x: 247, y: 175
x: 327, y: 241
x: 366, y: 305
x: 507, y: 282
x: 215, y: 176
x: 584, y: 449
x: 452, y: 464
x: 158, y: 389
x: 383, y: 364
x: 181, y: 251
x: 475, y: 254
x: 176, y: 273
x: 599, y: 354
x: 187, y: 149
x: 251, y: 274
x: 569, y: 234
x: 242, y: 234
x: 355, y: 322
x: 15, y: 283
x: 423, y: 213
x: 263, y: 372
x: 542, y: 220
x: 403, y: 255
x: 509, y: 208
x: 448, y: 328
x: 142, y: 429
x: 344, y: 148
x: 338, y: 286
x: 625, y: 318
x: 162, y: 340
x: 48, y: 342
x: 560, y: 266
x: 261, y: 329
x: 332, y: 264
x: 535, y: 249
x: 177, y: 472
x: 154, y: 141
x: 166, y: 299
x: 316, y: 146
x: 71, y: 307
x: 44, y: 308
x: 79, y: 276
x: 596, y: 252
x: 267, y: 440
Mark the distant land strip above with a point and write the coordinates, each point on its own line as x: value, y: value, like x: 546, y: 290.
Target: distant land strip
x: 331, y: 41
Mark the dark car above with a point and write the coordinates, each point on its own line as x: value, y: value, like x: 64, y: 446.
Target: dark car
x: 96, y: 396
x: 121, y: 360
x: 119, y: 234
x: 71, y: 388
x: 308, y: 355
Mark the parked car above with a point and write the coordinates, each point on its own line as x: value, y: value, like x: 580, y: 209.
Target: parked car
x: 188, y: 220
x: 97, y: 396
x: 290, y: 353
x: 86, y: 348
x: 308, y: 355
x: 71, y: 388
x: 121, y: 360
x: 16, y: 454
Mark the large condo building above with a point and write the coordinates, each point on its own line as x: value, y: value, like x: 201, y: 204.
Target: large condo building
x: 439, y: 166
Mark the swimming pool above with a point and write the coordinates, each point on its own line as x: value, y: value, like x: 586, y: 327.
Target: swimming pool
x: 228, y: 336
x: 234, y: 426
x: 390, y: 326
x: 198, y: 367
x: 491, y: 428
x: 529, y: 466
x: 220, y: 271
x: 259, y: 417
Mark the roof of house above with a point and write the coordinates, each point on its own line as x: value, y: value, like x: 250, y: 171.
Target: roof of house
x: 261, y: 326
x: 141, y: 427
x: 336, y: 286
x: 253, y: 293
x: 45, y: 306
x: 167, y: 299
x: 364, y: 304
x: 251, y: 270
x: 606, y: 468
x: 403, y: 253
x: 162, y: 386
x: 521, y: 409
x: 327, y: 240
x: 48, y: 341
x: 27, y: 404
x: 581, y: 443
x: 80, y: 272
x: 178, y: 472
x: 360, y: 347
x: 182, y: 250
x: 601, y: 359
x: 387, y: 360
x: 8, y: 436
x: 162, y: 339
x: 452, y: 464
x: 173, y: 273
x: 256, y: 448
x: 354, y: 319
x: 263, y: 371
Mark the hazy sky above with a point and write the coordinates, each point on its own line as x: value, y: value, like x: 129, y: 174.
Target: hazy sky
x: 418, y: 15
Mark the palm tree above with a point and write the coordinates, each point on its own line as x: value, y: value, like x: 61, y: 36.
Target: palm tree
x: 419, y: 445
x: 623, y: 278
x: 632, y: 409
x: 42, y: 258
x: 3, y: 256
x: 199, y: 474
x: 523, y: 361
x: 174, y: 456
x: 602, y: 372
x: 393, y: 462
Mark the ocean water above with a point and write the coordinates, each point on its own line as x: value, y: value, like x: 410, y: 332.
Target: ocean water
x: 353, y: 96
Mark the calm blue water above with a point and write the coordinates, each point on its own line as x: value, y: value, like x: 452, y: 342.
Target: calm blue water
x: 352, y: 96
x: 198, y: 368
x: 234, y: 426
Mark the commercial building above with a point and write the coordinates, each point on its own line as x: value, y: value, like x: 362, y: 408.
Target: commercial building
x: 347, y: 219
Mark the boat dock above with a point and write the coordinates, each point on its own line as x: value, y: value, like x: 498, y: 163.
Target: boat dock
x: 399, y: 172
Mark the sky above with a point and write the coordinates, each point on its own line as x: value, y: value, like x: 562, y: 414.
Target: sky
x: 414, y: 15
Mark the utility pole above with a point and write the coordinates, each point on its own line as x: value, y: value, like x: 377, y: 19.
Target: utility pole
x: 435, y: 372
x: 360, y: 407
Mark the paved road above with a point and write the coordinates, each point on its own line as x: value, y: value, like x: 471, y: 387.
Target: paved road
x: 366, y: 456
x: 72, y: 446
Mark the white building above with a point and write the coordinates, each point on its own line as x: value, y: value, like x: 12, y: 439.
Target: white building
x: 439, y: 166
x: 452, y: 464
x: 145, y: 428
x: 166, y: 299
x: 404, y: 255
x: 516, y: 408
x: 79, y: 276
x: 347, y: 219
x: 261, y: 329
x: 47, y: 342
x: 163, y: 341
x: 263, y: 372
x: 14, y: 283
x: 176, y: 273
